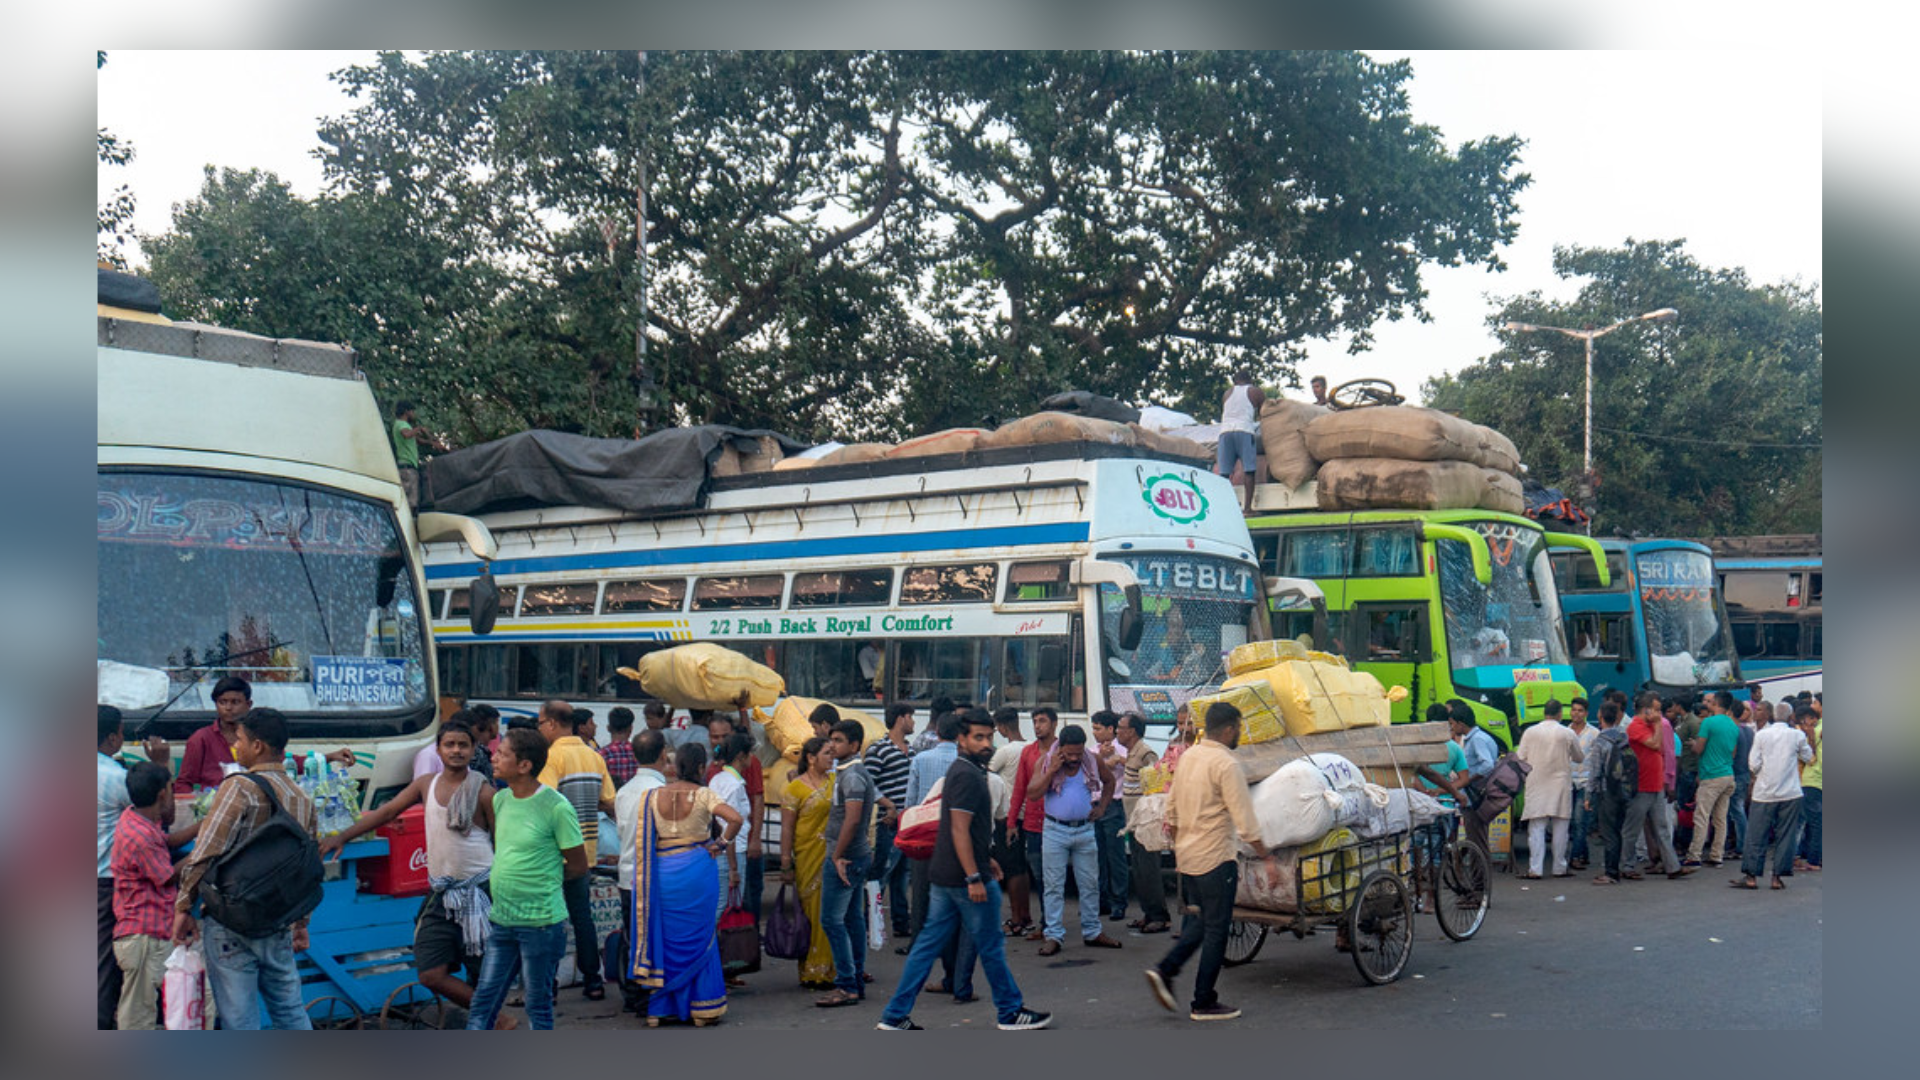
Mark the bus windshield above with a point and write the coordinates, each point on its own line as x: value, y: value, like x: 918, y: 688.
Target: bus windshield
x: 305, y: 592
x: 1688, y: 640
x: 1196, y: 610
x: 1515, y: 620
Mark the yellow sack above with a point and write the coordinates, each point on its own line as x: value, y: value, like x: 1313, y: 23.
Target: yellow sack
x: 1328, y: 880
x: 707, y: 676
x: 1255, y: 655
x: 790, y: 729
x: 1153, y: 780
x: 1316, y: 697
x: 1260, y: 719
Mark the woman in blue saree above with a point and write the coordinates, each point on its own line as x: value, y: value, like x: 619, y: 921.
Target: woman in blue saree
x: 676, y: 889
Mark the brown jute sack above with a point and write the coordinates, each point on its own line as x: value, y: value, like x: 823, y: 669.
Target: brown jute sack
x: 858, y: 453
x: 1162, y: 443
x: 1503, y: 493
x: 1397, y: 484
x: 950, y: 441
x: 765, y: 454
x: 1393, y: 431
x: 1056, y: 427
x: 1283, y: 436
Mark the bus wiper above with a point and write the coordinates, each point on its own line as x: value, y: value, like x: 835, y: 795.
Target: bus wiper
x: 201, y: 668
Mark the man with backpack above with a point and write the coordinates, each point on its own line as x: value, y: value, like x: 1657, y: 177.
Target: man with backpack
x: 1613, y: 774
x: 257, y: 868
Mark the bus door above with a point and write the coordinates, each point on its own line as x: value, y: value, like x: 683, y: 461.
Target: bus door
x: 1392, y: 639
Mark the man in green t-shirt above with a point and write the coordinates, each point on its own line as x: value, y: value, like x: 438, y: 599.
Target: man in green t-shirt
x: 536, y: 843
x: 1713, y: 746
x: 408, y: 433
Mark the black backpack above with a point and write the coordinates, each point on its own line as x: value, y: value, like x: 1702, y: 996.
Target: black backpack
x: 1621, y: 778
x: 267, y: 881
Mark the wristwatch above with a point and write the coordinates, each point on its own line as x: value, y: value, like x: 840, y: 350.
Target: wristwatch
x: 974, y: 879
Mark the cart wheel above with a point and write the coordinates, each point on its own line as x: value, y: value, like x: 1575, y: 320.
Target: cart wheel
x: 413, y: 1007
x: 1465, y: 892
x: 333, y: 1013
x: 1380, y: 928
x: 1243, y: 942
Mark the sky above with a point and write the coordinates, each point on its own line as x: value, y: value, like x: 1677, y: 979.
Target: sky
x: 1721, y: 148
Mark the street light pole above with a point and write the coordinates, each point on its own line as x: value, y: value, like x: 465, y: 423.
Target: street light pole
x: 1587, y: 336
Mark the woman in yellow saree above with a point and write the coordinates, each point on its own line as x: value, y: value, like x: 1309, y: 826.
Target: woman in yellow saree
x: 803, y: 853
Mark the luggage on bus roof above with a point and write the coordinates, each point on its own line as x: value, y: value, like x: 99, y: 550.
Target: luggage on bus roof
x: 668, y: 470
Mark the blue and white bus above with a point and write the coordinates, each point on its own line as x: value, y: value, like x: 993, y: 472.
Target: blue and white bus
x: 1773, y: 587
x: 1658, y: 624
x: 1077, y: 576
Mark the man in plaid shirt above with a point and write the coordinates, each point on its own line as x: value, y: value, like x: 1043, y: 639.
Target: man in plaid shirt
x: 246, y: 972
x: 619, y: 749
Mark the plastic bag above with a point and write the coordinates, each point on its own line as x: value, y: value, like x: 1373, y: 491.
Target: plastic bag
x: 183, y: 989
x: 706, y: 676
x: 1147, y: 825
x: 876, y: 918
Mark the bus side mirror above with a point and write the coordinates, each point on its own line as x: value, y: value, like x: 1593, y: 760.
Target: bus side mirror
x: 483, y: 603
x: 1132, y: 623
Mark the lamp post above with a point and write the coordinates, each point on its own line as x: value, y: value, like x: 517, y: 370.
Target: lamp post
x: 1662, y: 315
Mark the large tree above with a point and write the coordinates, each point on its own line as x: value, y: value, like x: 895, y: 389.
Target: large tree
x: 1708, y: 425
x: 862, y: 245
x: 114, y: 222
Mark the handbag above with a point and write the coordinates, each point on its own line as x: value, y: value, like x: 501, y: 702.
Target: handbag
x: 788, y: 929
x: 183, y: 989
x: 739, y: 939
x: 919, y: 829
x: 1501, y: 786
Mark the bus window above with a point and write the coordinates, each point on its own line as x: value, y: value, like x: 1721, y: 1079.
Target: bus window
x: 627, y: 654
x: 1813, y: 589
x: 1593, y: 636
x: 737, y: 592
x: 1394, y: 633
x: 1387, y: 553
x: 968, y: 584
x: 956, y: 667
x: 436, y: 603
x: 492, y: 671
x: 457, y: 605
x: 454, y: 671
x: 551, y: 671
x: 660, y: 594
x: 1573, y: 571
x: 842, y: 588
x: 1320, y: 553
x: 1266, y: 551
x: 1036, y: 671
x: 1757, y: 590
x: 1029, y: 583
x: 831, y: 670
x: 1746, y: 638
x: 1815, y: 647
x: 557, y: 599
x: 1780, y: 640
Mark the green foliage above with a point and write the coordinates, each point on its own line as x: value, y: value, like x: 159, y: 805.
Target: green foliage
x: 850, y: 245
x: 1706, y: 426
x: 114, y: 223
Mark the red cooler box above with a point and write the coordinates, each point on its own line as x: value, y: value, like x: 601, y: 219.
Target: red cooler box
x: 403, y: 870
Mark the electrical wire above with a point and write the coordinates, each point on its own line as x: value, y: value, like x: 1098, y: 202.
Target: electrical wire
x: 1710, y: 442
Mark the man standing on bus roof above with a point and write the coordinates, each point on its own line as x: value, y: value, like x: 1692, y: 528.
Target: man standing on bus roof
x: 1319, y: 384
x: 1239, y: 426
x: 408, y: 434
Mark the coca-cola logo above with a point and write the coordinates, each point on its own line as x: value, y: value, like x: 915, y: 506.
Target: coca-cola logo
x: 418, y: 861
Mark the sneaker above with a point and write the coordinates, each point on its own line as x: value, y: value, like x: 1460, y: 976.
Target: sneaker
x: 904, y: 1025
x: 1162, y: 992
x: 1028, y: 1020
x: 1215, y: 1011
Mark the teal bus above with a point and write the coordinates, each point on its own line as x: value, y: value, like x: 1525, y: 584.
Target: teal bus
x: 1657, y: 624
x: 1447, y: 603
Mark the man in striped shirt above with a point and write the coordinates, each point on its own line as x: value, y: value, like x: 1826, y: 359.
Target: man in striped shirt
x: 889, y: 760
x: 578, y: 772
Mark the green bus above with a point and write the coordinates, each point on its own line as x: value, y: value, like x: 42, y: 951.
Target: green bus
x: 1447, y: 603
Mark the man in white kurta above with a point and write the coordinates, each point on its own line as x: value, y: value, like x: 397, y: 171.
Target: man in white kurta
x: 1550, y: 749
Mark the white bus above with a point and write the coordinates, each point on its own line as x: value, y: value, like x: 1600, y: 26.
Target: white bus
x: 251, y: 522
x: 1075, y: 576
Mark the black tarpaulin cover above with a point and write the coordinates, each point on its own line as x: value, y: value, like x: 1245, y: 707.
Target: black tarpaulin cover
x: 667, y: 470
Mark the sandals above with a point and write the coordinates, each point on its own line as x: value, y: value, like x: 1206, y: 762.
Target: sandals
x: 1603, y: 879
x: 1777, y: 883
x: 1136, y: 924
x: 1155, y: 928
x: 1051, y: 948
x: 595, y: 993
x: 837, y: 999
x: 1744, y: 883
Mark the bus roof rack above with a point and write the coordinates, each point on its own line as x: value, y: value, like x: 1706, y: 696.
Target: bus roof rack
x: 219, y: 345
x: 1763, y: 546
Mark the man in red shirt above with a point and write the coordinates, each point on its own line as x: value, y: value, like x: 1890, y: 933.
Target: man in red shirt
x: 1027, y: 818
x: 1645, y: 738
x: 143, y: 894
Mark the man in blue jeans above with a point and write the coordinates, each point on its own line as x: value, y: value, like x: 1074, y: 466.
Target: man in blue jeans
x: 247, y: 973
x: 843, y: 917
x: 1075, y: 789
x: 960, y: 891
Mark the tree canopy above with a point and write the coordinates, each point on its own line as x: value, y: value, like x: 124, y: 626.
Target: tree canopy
x: 1709, y: 425
x: 114, y: 220
x: 852, y: 245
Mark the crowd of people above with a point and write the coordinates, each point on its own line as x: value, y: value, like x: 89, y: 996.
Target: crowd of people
x: 512, y: 828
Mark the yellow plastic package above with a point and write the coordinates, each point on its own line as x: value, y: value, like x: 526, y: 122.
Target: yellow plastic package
x: 1260, y: 717
x: 790, y: 727
x: 1255, y: 655
x: 1316, y: 698
x: 1328, y: 880
x: 706, y: 676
